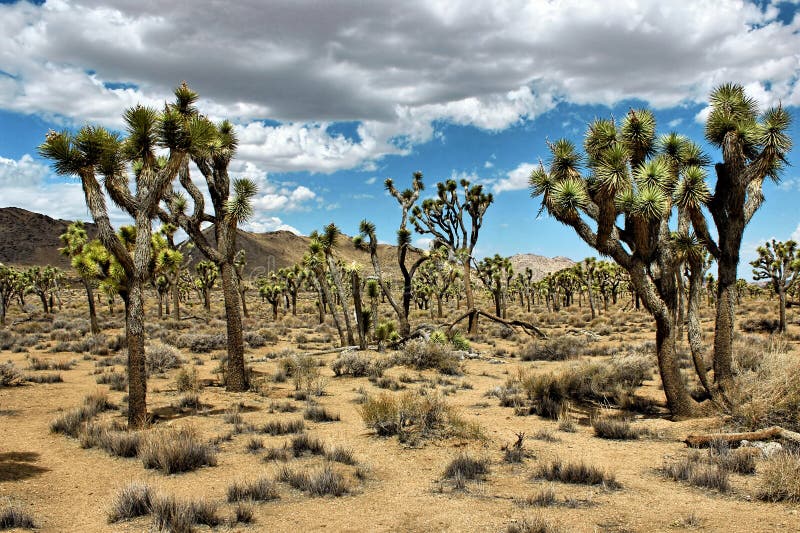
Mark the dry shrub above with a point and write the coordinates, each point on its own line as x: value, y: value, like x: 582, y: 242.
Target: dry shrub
x: 323, y: 482
x: 261, y: 490
x: 421, y: 355
x: 357, y: 365
x: 537, y: 524
x: 614, y: 427
x: 133, y: 501
x: 9, y: 375
x: 467, y: 467
x: 575, y: 473
x: 162, y: 357
x: 12, y: 516
x: 780, y: 479
x: 171, y: 514
x: 770, y: 393
x: 561, y: 348
x: 176, y: 450
x: 412, y: 415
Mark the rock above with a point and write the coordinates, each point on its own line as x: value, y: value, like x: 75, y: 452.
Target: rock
x: 768, y: 449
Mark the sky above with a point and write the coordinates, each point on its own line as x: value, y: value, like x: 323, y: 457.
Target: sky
x: 331, y: 98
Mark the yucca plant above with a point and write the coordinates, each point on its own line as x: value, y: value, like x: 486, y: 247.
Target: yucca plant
x: 94, y: 152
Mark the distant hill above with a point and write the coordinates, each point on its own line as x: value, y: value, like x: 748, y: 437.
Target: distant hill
x: 28, y: 238
x: 279, y: 249
x: 541, y: 265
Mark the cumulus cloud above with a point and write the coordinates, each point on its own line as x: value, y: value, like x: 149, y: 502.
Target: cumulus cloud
x: 397, y: 69
x: 516, y: 179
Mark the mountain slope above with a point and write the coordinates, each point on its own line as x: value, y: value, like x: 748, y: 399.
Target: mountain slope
x: 541, y: 265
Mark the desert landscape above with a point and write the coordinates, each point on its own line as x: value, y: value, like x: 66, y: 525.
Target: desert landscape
x: 508, y: 266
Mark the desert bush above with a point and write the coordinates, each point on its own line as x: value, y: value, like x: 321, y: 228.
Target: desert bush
x: 780, y: 479
x: 162, y: 357
x: 12, y: 516
x: 72, y: 422
x: 133, y: 501
x: 342, y: 455
x: 190, y: 400
x: 575, y: 473
x: 282, y: 427
x: 254, y: 340
x: 117, y: 381
x: 304, y: 443
x: 544, y: 498
x: 696, y: 472
x: 536, y: 524
x: 176, y: 450
x: 357, y: 365
x: 422, y: 355
x: 412, y: 415
x: 464, y: 466
x: 43, y: 378
x: 202, y: 343
x: 186, y: 380
x: 282, y: 407
x: 171, y: 514
x: 763, y: 325
x: 261, y: 490
x: 9, y: 375
x: 614, y: 427
x: 317, y: 413
x: 277, y: 454
x: 770, y: 394
x: 323, y: 482
x: 562, y: 348
x: 242, y: 514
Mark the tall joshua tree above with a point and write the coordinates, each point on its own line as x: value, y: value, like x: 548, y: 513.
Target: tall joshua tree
x: 627, y: 177
x: 207, y: 274
x: 754, y: 148
x: 95, y: 152
x: 230, y: 208
x: 328, y: 239
x: 779, y: 264
x: 444, y: 217
x: 75, y: 240
x: 406, y: 198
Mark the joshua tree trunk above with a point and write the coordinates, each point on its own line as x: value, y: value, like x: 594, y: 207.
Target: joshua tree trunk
x: 207, y: 299
x: 439, y: 311
x: 782, y: 300
x: 337, y: 281
x: 137, y: 373
x: 473, y: 319
x: 92, y: 311
x: 362, y: 334
x: 723, y: 331
x: 176, y: 299
x: 161, y: 305
x: 236, y: 377
x: 322, y: 286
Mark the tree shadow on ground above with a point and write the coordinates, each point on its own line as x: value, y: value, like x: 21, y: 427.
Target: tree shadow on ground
x: 15, y: 466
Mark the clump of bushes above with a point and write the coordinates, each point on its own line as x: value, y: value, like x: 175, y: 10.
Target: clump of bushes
x: 780, y: 479
x: 536, y: 524
x: 317, y: 413
x: 9, y: 375
x: 283, y: 427
x: 576, y: 473
x: 202, y: 343
x: 176, y: 450
x: 323, y: 482
x: 73, y: 421
x: 117, y: 381
x: 261, y: 490
x: 563, y: 348
x: 162, y: 357
x: 466, y: 467
x: 421, y: 355
x: 13, y: 516
x: 357, y: 365
x: 693, y: 470
x: 133, y: 501
x: 412, y: 415
x: 614, y: 427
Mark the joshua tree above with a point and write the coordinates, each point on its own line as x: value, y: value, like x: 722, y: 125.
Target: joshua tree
x: 406, y: 198
x: 93, y: 151
x: 353, y: 271
x: 373, y: 293
x: 493, y: 272
x: 43, y: 282
x: 169, y: 266
x: 444, y: 217
x: 207, y: 274
x: 230, y: 209
x: 315, y: 261
x: 293, y: 278
x: 271, y: 289
x: 586, y: 271
x: 75, y: 240
x: 367, y: 241
x: 779, y: 263
x: 10, y: 286
x: 328, y: 239
x: 628, y: 178
x: 439, y: 275
x: 754, y: 148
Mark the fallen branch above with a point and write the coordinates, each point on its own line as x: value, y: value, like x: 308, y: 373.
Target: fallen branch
x: 775, y: 432
x: 527, y: 327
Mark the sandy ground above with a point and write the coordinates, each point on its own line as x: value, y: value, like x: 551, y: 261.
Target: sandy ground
x: 67, y: 488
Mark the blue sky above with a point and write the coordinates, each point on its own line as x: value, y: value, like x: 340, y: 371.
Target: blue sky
x: 330, y: 99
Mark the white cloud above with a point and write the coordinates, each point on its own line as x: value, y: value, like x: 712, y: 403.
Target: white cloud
x: 396, y: 69
x: 25, y: 171
x: 371, y: 180
x: 516, y: 179
x: 423, y: 243
x: 263, y: 224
